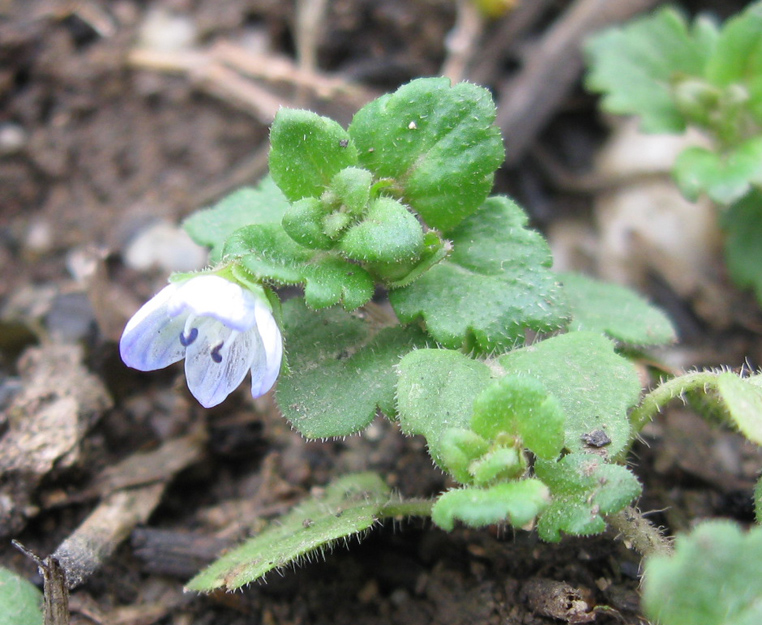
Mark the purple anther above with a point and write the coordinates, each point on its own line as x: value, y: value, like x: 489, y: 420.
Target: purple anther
x: 187, y: 340
x: 215, y: 353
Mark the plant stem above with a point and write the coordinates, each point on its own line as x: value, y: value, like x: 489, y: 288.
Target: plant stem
x: 654, y: 401
x: 406, y: 508
x: 640, y: 533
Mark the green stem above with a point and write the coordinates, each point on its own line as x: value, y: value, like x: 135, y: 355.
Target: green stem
x: 406, y: 508
x: 654, y: 401
x: 639, y: 533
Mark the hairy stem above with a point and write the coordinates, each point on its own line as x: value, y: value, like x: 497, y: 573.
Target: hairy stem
x: 639, y: 533
x: 406, y: 508
x: 654, y: 401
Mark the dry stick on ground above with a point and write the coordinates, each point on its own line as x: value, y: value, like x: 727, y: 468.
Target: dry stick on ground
x: 131, y: 489
x: 222, y: 71
x: 55, y: 605
x: 310, y: 27
x: 503, y: 40
x: 462, y: 41
x: 225, y: 69
x: 552, y: 66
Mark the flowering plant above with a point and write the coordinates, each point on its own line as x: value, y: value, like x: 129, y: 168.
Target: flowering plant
x: 520, y: 379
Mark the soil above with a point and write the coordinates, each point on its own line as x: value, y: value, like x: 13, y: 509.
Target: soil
x: 97, y: 145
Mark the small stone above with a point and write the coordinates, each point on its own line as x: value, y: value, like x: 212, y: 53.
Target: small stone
x: 165, y: 31
x: 13, y: 138
x: 166, y: 246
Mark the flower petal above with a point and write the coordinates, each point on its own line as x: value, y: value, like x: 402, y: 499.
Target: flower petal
x: 151, y: 338
x: 212, y: 379
x: 263, y: 377
x: 221, y: 299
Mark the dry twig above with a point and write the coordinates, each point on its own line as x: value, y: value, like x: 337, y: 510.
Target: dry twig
x: 552, y: 67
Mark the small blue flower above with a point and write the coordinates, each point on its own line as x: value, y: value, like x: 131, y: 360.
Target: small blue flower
x: 221, y: 329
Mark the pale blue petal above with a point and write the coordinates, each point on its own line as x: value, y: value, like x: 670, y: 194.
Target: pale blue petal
x: 151, y: 338
x: 211, y: 382
x: 215, y: 297
x: 263, y: 376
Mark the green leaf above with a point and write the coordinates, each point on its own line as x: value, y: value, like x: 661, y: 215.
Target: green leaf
x: 517, y: 503
x: 725, y: 177
x: 437, y: 142
x: 270, y: 255
x: 342, y: 370
x: 348, y: 507
x: 634, y: 66
x: 263, y: 204
x: 713, y: 578
x: 389, y: 233
x: 742, y: 400
x: 307, y: 151
x: 521, y: 407
x: 303, y: 222
x: 458, y: 448
x: 594, y: 385
x: 498, y: 465
x: 20, y: 601
x: 435, y: 392
x: 495, y: 285
x: 615, y: 311
x: 350, y: 189
x: 434, y: 251
x: 743, y: 243
x: 584, y: 488
x: 738, y: 53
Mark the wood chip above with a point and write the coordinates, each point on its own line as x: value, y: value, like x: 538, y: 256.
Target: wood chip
x: 47, y: 421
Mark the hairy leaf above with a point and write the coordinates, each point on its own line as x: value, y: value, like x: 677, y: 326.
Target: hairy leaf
x: 436, y: 142
x: 307, y: 151
x: 347, y: 507
x: 388, y: 233
x: 517, y: 503
x: 495, y: 285
x: 521, y: 407
x: 273, y: 256
x: 713, y: 578
x: 342, y: 370
x: 263, y: 204
x: 458, y: 448
x: 594, y: 385
x: 436, y: 392
x: 584, y: 489
x: 742, y: 400
x: 615, y: 311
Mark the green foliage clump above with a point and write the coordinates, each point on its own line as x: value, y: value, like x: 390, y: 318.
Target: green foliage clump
x: 713, y: 578
x: 673, y: 75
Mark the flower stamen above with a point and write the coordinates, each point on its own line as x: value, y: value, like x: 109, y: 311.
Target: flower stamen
x: 215, y: 353
x: 186, y: 340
